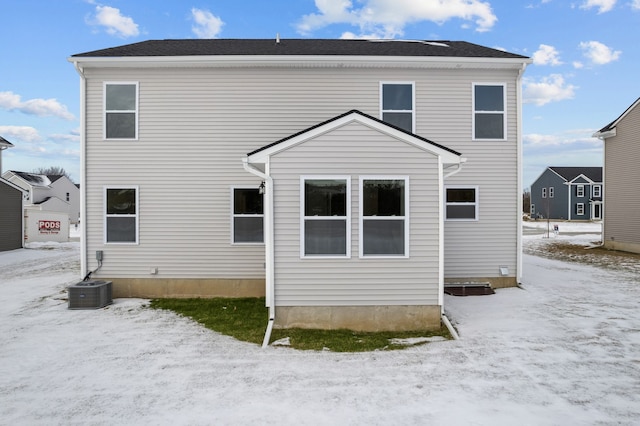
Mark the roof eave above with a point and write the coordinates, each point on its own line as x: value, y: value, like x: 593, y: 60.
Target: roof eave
x: 604, y: 134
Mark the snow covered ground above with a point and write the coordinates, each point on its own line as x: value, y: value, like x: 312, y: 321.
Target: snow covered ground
x: 564, y: 349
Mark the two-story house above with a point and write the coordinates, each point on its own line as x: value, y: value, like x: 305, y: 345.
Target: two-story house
x: 621, y: 230
x: 56, y: 193
x: 11, y: 209
x: 568, y: 193
x: 345, y: 180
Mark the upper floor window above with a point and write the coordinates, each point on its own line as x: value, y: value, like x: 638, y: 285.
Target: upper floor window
x: 325, y: 216
x: 580, y: 191
x: 397, y: 104
x: 384, y: 216
x: 551, y: 192
x: 489, y: 114
x: 461, y: 203
x: 68, y: 196
x: 121, y: 215
x: 533, y: 210
x: 544, y: 192
x: 121, y: 110
x: 597, y: 191
x: 248, y: 216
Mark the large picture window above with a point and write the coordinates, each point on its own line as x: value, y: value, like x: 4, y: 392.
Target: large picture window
x: 121, y: 215
x: 248, y: 216
x: 121, y: 110
x: 384, y: 216
x: 461, y: 203
x: 489, y: 121
x: 325, y: 216
x: 397, y: 105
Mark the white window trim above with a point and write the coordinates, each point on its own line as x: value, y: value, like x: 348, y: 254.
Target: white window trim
x: 105, y: 215
x: 598, y: 189
x: 347, y: 219
x: 532, y: 210
x: 551, y: 191
x: 405, y: 217
x: 477, y: 202
x: 580, y: 190
x: 474, y: 112
x: 105, y: 112
x: 544, y: 192
x: 580, y: 209
x: 233, y: 216
x: 413, y: 102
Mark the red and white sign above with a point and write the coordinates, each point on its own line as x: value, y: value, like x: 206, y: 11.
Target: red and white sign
x: 49, y: 226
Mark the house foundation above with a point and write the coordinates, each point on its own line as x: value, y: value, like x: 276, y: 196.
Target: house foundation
x: 152, y: 288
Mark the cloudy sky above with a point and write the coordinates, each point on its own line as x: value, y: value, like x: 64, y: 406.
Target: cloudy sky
x: 585, y: 53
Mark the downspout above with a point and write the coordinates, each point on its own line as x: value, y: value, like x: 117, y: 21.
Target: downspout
x: 83, y: 174
x: 268, y: 240
x: 519, y: 171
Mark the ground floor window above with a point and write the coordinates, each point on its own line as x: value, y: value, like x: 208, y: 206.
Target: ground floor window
x: 325, y: 216
x: 580, y: 209
x: 383, y: 216
x: 462, y: 203
x: 121, y: 214
x: 248, y: 216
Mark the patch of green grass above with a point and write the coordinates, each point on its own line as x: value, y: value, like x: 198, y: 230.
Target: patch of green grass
x: 246, y: 319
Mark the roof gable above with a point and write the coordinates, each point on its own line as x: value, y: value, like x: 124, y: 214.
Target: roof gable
x: 301, y: 47
x: 569, y: 174
x: 262, y: 154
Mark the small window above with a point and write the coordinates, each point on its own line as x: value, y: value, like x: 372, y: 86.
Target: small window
x: 533, y: 210
x: 580, y: 191
x: 580, y: 209
x: 462, y: 203
x: 68, y: 197
x: 489, y: 120
x: 597, y: 191
x: 325, y: 216
x: 397, y: 105
x: 551, y: 192
x: 384, y: 216
x: 121, y: 215
x: 544, y: 192
x: 121, y: 110
x: 248, y: 216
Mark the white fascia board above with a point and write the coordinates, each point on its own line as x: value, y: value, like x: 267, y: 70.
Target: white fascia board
x: 604, y: 135
x: 13, y: 185
x: 588, y: 181
x: 301, y: 61
x: 446, y: 156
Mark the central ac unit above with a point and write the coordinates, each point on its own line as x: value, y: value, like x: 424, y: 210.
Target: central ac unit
x: 91, y: 294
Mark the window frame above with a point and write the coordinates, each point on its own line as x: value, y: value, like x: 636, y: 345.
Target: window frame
x: 234, y: 215
x: 362, y: 218
x: 551, y: 191
x: 347, y: 218
x: 106, y: 112
x: 599, y: 191
x: 474, y: 111
x: 532, y: 210
x: 580, y: 190
x: 580, y: 209
x: 544, y: 192
x: 476, y: 203
x: 413, y: 102
x: 136, y: 215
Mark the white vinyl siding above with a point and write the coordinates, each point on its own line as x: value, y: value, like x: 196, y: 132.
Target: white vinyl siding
x: 489, y: 111
x: 397, y: 102
x: 196, y: 124
x: 121, y: 214
x: 121, y: 110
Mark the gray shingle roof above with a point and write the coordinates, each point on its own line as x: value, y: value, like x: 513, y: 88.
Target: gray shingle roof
x: 297, y: 47
x: 570, y: 173
x: 5, y: 143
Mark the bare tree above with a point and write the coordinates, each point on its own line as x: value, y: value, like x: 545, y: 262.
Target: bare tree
x: 526, y: 201
x: 53, y: 170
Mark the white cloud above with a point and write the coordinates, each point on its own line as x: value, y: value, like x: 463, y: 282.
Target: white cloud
x: 552, y: 88
x: 114, y: 22
x: 570, y: 137
x: 599, y: 53
x: 635, y: 4
x: 578, y: 64
x: 602, y: 5
x: 387, y: 18
x: 546, y: 55
x: 206, y: 24
x: 40, y: 107
x: 22, y: 133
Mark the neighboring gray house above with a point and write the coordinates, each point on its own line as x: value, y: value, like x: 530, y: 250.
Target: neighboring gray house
x: 621, y: 138
x: 11, y: 210
x: 568, y: 193
x: 48, y: 192
x: 346, y: 180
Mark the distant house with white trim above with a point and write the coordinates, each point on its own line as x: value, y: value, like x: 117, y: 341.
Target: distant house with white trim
x: 568, y: 193
x: 11, y: 209
x: 345, y: 180
x: 621, y: 138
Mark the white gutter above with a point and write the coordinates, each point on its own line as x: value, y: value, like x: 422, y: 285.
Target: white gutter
x: 519, y: 171
x: 268, y: 246
x: 83, y: 177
